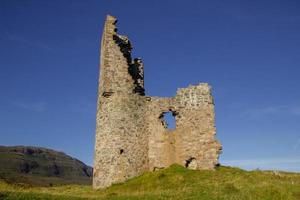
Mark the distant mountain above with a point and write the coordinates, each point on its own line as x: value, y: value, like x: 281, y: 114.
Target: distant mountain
x: 41, y: 166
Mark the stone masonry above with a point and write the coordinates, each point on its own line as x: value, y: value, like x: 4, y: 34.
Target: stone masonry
x: 131, y: 133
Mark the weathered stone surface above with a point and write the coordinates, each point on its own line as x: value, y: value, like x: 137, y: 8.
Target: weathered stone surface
x: 131, y: 134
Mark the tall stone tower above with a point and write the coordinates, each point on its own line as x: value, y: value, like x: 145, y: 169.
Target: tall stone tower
x: 131, y: 134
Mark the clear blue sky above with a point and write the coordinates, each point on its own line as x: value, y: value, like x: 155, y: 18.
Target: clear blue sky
x: 249, y: 51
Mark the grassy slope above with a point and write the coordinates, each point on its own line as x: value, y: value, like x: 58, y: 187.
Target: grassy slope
x: 177, y: 183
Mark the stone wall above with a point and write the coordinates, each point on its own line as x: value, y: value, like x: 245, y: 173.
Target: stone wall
x: 120, y: 148
x: 131, y: 134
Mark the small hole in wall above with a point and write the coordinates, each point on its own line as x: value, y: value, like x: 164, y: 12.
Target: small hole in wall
x: 121, y: 151
x: 168, y: 120
x: 188, y: 161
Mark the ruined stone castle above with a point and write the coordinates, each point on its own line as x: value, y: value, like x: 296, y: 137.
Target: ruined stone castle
x: 131, y: 133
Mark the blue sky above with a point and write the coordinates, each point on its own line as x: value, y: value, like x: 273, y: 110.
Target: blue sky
x: 249, y: 51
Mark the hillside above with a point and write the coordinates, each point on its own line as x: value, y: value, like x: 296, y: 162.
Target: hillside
x: 41, y: 166
x: 179, y: 183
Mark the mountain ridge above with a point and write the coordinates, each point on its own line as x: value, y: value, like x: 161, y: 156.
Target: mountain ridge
x: 41, y: 166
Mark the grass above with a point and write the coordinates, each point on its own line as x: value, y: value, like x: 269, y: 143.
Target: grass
x: 176, y: 182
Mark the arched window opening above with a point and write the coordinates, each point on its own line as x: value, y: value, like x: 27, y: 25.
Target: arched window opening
x: 168, y: 120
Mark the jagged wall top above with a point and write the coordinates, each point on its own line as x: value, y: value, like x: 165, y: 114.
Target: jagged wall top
x: 119, y: 72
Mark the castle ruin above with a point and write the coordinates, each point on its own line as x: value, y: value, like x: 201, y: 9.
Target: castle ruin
x: 131, y: 133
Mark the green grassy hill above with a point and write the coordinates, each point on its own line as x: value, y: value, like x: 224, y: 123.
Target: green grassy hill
x: 225, y: 183
x: 41, y: 166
